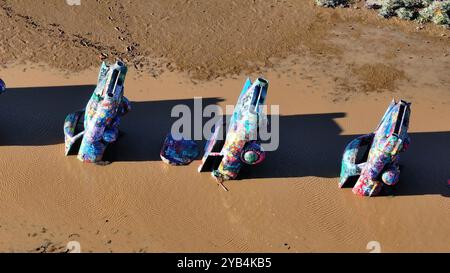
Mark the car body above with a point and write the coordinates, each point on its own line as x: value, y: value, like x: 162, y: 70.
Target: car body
x: 224, y: 156
x: 102, y: 115
x: 2, y: 87
x: 379, y: 151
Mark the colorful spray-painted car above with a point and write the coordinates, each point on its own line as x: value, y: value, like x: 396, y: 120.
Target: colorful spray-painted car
x: 224, y: 156
x: 178, y: 152
x: 2, y: 87
x: 102, y: 115
x: 375, y: 157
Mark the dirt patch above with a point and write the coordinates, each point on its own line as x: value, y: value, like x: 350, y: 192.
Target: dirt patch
x: 378, y: 77
x: 207, y: 39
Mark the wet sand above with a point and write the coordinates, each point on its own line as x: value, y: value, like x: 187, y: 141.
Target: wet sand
x: 291, y: 203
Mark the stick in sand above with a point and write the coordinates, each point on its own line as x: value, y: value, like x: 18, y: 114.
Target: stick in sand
x: 220, y: 183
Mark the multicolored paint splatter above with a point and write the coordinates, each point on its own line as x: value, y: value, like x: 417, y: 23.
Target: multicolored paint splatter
x: 385, y: 144
x: 178, y: 152
x: 241, y: 144
x: 2, y: 87
x: 101, y: 116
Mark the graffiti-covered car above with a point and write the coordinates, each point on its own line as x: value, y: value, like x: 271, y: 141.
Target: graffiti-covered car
x: 224, y: 156
x: 98, y: 124
x: 374, y: 158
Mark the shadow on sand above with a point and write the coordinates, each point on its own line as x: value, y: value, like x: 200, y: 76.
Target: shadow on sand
x: 145, y: 127
x: 35, y: 117
x: 310, y: 145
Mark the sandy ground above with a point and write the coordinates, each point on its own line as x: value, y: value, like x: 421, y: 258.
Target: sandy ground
x: 333, y: 73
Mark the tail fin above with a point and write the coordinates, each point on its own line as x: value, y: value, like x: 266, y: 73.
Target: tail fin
x: 73, y: 130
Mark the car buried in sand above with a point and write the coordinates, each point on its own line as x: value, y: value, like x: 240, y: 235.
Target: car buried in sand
x: 98, y: 124
x: 374, y: 158
x: 225, y: 156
